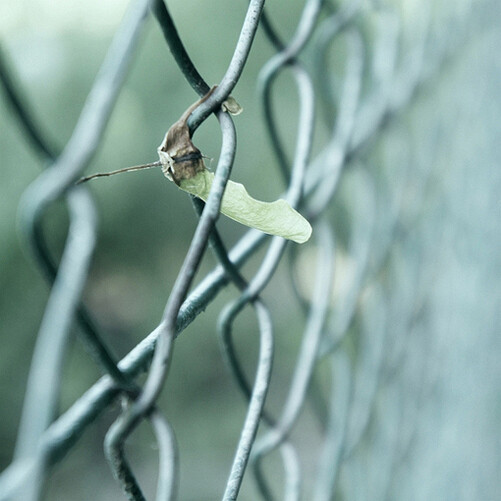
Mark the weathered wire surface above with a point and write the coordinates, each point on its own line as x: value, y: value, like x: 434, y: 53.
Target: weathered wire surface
x: 362, y: 282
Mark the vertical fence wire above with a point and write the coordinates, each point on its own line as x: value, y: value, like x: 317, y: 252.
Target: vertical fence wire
x: 362, y: 351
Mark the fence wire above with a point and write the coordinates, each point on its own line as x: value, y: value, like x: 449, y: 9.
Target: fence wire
x: 362, y: 358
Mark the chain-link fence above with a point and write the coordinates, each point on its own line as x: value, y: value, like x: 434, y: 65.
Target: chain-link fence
x: 345, y: 346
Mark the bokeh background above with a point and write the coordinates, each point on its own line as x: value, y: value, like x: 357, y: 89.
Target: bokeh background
x: 145, y: 224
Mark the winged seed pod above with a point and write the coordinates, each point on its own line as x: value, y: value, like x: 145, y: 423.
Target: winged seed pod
x: 182, y: 162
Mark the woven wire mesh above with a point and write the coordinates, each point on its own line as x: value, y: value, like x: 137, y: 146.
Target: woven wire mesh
x: 359, y: 169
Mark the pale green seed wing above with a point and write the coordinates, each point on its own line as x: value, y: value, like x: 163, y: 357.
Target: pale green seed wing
x: 275, y: 218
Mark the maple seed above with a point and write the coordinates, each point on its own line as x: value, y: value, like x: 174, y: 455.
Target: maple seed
x: 182, y: 162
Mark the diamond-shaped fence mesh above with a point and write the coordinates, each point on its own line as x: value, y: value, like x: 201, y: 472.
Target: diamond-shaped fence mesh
x: 333, y: 348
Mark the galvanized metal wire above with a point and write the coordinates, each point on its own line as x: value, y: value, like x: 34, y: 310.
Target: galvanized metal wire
x: 351, y: 348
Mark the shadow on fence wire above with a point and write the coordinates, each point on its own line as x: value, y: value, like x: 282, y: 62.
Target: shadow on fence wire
x: 359, y: 332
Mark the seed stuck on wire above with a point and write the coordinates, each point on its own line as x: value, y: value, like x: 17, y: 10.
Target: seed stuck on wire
x: 182, y: 162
